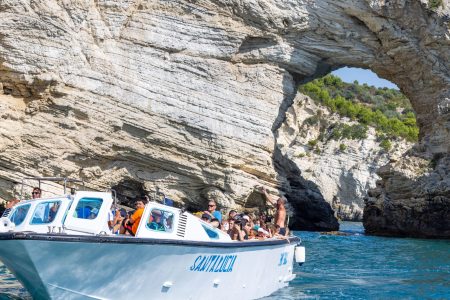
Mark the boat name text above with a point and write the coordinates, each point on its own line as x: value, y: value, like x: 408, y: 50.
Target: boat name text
x: 214, y: 263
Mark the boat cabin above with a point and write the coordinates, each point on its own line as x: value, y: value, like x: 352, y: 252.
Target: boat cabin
x: 43, y: 215
x: 87, y: 213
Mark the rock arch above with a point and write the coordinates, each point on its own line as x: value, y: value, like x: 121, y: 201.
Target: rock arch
x: 192, y: 92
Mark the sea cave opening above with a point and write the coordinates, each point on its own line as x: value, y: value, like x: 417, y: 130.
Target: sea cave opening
x: 350, y: 123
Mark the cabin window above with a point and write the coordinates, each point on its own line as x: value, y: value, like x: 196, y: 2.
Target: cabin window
x: 88, y: 208
x: 19, y: 214
x: 211, y: 232
x: 45, y: 212
x: 160, y: 220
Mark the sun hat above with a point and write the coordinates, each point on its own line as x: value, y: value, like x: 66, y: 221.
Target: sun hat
x: 263, y: 231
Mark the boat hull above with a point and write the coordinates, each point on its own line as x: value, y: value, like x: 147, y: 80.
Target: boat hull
x: 81, y: 267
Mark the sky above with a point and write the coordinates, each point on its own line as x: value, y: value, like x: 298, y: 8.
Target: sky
x: 363, y: 76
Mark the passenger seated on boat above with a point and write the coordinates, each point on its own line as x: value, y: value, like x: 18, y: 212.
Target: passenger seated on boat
x: 237, y: 233
x: 252, y: 233
x: 115, y: 220
x: 263, y: 218
x: 160, y: 220
x: 83, y: 212
x: 277, y: 231
x: 9, y: 205
x: 36, y: 193
x: 232, y: 214
x: 137, y: 215
x: 156, y: 221
x: 230, y: 226
x: 52, y: 212
x: 271, y: 228
x: 212, y: 211
x: 168, y: 201
x: 93, y: 214
x: 111, y: 215
x: 168, y: 222
x: 123, y: 215
x: 21, y: 214
x: 225, y: 226
x: 262, y: 233
x: 125, y: 227
x: 206, y: 217
x: 248, y: 230
x: 215, y: 223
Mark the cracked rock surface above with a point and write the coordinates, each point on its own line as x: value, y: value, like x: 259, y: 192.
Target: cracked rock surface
x: 188, y: 95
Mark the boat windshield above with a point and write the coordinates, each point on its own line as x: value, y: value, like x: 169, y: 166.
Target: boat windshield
x: 88, y: 208
x: 19, y: 214
x: 45, y: 212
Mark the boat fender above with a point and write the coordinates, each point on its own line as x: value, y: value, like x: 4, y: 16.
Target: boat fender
x: 300, y: 255
x: 6, y: 225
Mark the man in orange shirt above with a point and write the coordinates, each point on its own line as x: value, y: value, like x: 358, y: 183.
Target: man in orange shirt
x: 136, y: 217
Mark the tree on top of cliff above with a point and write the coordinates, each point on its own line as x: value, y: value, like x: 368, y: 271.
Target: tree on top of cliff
x: 388, y: 110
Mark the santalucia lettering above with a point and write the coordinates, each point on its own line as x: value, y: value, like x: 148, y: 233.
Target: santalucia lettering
x: 214, y: 263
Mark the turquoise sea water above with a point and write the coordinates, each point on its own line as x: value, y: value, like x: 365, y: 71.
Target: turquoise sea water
x: 354, y: 266
x: 367, y: 267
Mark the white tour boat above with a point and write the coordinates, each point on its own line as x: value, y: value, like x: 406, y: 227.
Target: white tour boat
x: 62, y: 248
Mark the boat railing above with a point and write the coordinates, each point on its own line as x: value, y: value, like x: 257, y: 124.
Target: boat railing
x: 65, y: 181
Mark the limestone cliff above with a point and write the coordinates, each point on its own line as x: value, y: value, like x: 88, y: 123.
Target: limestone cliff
x: 188, y: 95
x: 343, y: 170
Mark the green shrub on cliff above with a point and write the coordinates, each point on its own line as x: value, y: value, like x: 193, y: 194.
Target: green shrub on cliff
x: 314, y: 120
x: 434, y: 4
x: 386, y: 144
x: 344, y: 131
x: 312, y: 143
x: 388, y: 110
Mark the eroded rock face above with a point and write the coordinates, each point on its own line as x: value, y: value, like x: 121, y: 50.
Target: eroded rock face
x: 343, y: 170
x: 188, y: 95
x: 412, y: 199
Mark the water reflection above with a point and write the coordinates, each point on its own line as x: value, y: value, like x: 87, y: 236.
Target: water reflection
x: 10, y: 288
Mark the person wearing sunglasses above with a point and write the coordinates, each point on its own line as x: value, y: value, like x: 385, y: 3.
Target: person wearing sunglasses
x: 215, y: 214
x: 36, y: 194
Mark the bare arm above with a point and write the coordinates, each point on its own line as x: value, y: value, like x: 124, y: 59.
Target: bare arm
x: 268, y: 197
